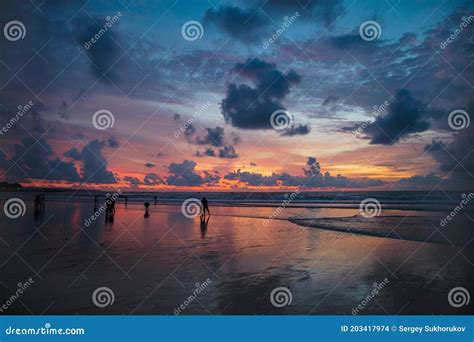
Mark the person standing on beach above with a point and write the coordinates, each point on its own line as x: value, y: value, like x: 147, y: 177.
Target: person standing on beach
x: 205, y: 206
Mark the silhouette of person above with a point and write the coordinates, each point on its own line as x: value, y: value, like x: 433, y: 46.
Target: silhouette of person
x: 126, y: 200
x: 205, y: 206
x: 38, y: 211
x: 204, y: 223
x: 147, y: 205
x: 155, y: 200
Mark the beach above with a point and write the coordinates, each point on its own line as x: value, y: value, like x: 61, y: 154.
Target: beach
x: 166, y: 263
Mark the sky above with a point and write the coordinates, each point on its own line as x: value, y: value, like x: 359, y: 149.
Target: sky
x: 241, y: 95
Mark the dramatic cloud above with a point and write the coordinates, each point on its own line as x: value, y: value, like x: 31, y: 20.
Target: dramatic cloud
x: 297, y: 130
x: 184, y: 174
x: 228, y: 152
x: 418, y: 182
x: 153, y: 179
x: 31, y: 160
x: 405, y: 116
x: 94, y: 164
x: 246, y: 25
x: 455, y: 157
x: 133, y: 182
x: 214, y: 137
x: 311, y: 178
x: 251, y: 108
x: 105, y: 53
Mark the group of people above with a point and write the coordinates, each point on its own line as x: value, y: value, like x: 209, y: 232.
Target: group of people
x: 110, y: 206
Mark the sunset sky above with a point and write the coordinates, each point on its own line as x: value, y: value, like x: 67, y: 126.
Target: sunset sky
x: 195, y: 112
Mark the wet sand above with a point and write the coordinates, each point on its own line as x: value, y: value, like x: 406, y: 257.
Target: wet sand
x: 153, y: 264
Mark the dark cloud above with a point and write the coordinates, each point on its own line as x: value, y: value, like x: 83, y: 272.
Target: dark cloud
x: 148, y: 164
x: 245, y: 25
x: 132, y: 181
x: 455, y: 157
x: 405, y: 116
x: 251, y: 108
x: 311, y: 178
x: 228, y: 152
x: 94, y: 163
x: 214, y: 137
x: 184, y: 174
x: 419, y: 182
x: 297, y: 130
x: 105, y: 53
x: 152, y: 179
x: 31, y: 160
x: 207, y: 152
